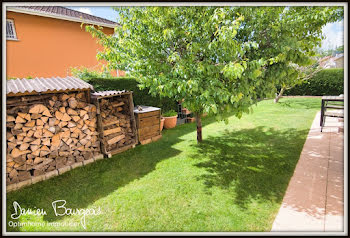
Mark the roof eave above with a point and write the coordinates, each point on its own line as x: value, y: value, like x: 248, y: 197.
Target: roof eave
x: 58, y: 16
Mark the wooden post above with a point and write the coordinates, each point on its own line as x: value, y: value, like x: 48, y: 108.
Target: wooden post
x: 132, y: 116
x: 322, y: 114
x: 88, y: 94
x: 100, y: 127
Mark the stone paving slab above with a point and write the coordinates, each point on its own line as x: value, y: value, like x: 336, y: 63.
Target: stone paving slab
x: 314, y: 197
x: 335, y: 189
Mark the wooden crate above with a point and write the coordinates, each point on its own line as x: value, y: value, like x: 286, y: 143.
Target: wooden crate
x: 111, y: 122
x: 148, y: 124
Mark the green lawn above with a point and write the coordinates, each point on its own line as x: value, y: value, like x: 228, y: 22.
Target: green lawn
x: 234, y: 181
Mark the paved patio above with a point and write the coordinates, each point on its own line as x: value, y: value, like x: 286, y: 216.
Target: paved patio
x: 314, y: 197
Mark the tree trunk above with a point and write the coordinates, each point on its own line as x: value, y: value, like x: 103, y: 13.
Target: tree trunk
x: 277, y: 98
x: 199, y: 128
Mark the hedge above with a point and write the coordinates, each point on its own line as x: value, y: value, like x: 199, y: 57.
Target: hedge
x: 141, y: 97
x: 325, y: 82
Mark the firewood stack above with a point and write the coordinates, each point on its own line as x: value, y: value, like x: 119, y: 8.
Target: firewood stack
x: 116, y: 123
x: 48, y: 132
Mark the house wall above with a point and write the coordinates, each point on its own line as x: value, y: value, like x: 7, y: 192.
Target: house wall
x: 339, y: 62
x: 49, y: 47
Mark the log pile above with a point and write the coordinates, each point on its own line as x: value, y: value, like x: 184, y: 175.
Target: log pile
x: 116, y: 125
x: 48, y: 132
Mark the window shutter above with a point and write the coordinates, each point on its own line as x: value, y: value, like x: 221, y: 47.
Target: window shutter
x: 10, y: 29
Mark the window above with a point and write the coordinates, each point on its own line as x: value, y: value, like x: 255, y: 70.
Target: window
x: 10, y: 30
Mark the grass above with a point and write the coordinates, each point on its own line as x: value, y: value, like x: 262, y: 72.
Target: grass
x: 234, y: 181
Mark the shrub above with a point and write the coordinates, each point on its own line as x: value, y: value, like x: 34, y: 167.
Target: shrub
x: 86, y: 74
x: 170, y: 113
x: 141, y: 97
x: 325, y: 82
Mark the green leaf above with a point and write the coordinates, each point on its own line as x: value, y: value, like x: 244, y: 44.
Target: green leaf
x: 212, y: 57
x: 214, y: 108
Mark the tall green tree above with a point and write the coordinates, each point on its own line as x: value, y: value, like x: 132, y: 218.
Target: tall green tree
x: 217, y: 59
x: 304, y: 73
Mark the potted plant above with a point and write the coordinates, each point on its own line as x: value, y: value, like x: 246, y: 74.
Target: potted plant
x: 162, y: 119
x: 170, y: 118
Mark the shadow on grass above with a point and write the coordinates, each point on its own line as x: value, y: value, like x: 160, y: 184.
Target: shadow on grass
x: 251, y: 163
x: 82, y: 186
x: 300, y: 103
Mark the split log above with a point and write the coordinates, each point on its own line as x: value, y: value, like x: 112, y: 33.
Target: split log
x: 34, y: 147
x: 20, y: 120
x: 18, y: 126
x: 38, y: 160
x: 72, y: 102
x: 25, y: 129
x: 39, y: 108
x: 55, y: 141
x: 30, y: 133
x: 35, y: 116
x: 30, y: 124
x: 115, y: 139
x: 37, y: 134
x: 75, y: 118
x: 66, y: 117
x: 46, y: 141
x: 64, y: 97
x: 44, y: 119
x: 35, y: 142
x: 16, y: 152
x: 72, y: 112
x: 62, y: 109
x: 62, y: 124
x: 58, y: 115
x: 10, y: 118
x: 39, y: 122
x: 82, y: 113
x: 47, y: 113
x: 71, y: 124
x: 111, y: 131
x: 24, y: 146
x: 52, y: 121
x: 28, y: 138
x: 47, y: 133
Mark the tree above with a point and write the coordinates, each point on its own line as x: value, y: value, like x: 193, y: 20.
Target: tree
x: 304, y: 73
x: 216, y: 59
x: 306, y: 65
x: 330, y: 52
x: 340, y: 49
x: 322, y: 52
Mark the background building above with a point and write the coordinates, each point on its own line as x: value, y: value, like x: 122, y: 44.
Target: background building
x: 48, y: 41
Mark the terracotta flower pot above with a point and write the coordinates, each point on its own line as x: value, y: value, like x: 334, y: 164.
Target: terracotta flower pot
x: 161, y: 123
x: 170, y: 122
x: 191, y: 119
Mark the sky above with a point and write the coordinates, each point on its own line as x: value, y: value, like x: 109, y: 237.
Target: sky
x: 333, y: 32
x: 104, y: 12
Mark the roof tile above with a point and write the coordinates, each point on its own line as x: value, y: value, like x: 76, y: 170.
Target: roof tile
x: 63, y: 11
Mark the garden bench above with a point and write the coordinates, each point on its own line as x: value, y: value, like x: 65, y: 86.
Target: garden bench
x: 331, y: 102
